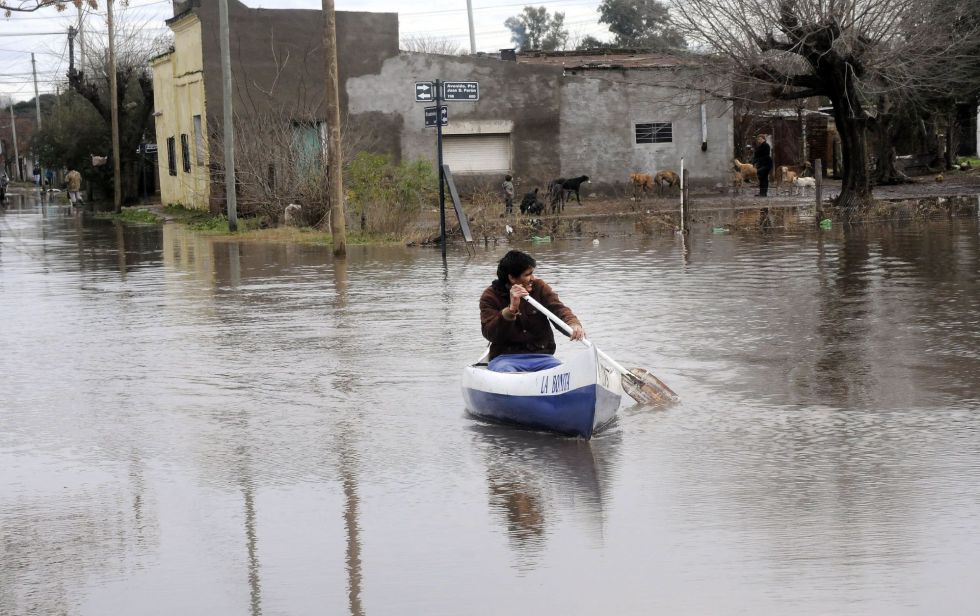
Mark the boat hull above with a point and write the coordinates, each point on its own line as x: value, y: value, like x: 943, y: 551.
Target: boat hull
x: 576, y: 398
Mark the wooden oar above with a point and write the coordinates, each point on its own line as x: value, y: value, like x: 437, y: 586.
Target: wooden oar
x: 638, y: 383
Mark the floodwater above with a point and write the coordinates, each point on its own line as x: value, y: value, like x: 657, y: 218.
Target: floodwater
x: 198, y: 427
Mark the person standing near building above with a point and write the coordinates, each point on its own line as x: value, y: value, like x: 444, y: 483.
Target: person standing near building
x: 73, y: 183
x: 762, y: 159
x: 508, y: 186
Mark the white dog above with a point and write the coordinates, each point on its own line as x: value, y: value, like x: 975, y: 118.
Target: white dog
x: 292, y: 213
x: 801, y: 184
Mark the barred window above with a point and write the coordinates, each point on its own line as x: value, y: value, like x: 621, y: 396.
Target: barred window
x: 654, y: 132
x: 172, y: 155
x: 185, y: 152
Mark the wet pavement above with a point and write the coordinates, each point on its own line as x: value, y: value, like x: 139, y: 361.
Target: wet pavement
x: 200, y: 427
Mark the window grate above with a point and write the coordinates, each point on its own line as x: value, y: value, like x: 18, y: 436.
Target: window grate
x: 654, y: 132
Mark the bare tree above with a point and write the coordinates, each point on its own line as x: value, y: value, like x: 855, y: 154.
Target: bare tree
x: 29, y: 6
x: 854, y: 52
x: 431, y: 44
x: 133, y: 51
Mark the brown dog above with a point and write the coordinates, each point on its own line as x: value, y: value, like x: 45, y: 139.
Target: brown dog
x: 641, y: 183
x: 666, y: 179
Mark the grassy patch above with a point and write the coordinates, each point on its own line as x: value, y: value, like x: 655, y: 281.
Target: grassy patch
x: 130, y: 215
x: 249, y: 229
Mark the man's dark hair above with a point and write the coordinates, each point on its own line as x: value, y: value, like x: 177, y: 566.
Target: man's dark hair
x: 514, y: 263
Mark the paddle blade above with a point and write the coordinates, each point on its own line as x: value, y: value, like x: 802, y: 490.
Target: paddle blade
x: 641, y: 385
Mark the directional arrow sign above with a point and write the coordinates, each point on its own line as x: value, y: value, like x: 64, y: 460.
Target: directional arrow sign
x: 462, y: 91
x: 424, y: 92
x: 430, y: 115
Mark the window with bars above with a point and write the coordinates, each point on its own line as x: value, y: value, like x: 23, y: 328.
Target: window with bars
x: 654, y: 132
x: 185, y: 152
x: 172, y: 155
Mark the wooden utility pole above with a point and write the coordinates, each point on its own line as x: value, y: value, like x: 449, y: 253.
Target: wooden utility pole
x: 114, y: 113
x: 13, y: 128
x: 228, y: 117
x: 81, y: 38
x: 335, y: 179
x: 37, y: 107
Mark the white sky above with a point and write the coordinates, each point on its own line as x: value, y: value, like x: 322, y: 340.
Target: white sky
x: 45, y: 32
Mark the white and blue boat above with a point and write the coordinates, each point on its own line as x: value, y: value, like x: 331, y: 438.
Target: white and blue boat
x: 576, y: 398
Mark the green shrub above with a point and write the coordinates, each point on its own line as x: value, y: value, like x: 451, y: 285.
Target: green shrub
x: 384, y: 198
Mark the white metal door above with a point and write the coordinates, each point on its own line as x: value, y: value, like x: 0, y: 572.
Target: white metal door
x: 477, y: 153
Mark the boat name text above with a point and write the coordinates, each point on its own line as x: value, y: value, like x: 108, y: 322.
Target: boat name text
x: 556, y: 383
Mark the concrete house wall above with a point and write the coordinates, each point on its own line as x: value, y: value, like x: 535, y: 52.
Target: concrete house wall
x: 521, y: 101
x: 601, y: 108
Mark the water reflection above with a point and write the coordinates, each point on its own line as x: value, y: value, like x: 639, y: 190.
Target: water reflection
x: 823, y: 455
x: 534, y: 479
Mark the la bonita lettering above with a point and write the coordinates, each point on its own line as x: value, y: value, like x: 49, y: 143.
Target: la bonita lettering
x: 557, y: 383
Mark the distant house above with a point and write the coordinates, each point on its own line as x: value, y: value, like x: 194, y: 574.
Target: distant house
x: 277, y: 64
x: 796, y: 135
x: 539, y: 117
x: 628, y: 111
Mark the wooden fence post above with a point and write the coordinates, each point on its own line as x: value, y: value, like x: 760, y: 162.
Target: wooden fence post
x: 818, y: 190
x: 685, y: 203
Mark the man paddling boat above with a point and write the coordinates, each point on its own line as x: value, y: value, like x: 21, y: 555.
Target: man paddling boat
x: 521, y: 338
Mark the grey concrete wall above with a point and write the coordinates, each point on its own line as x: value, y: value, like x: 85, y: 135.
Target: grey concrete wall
x: 601, y: 108
x: 525, y: 97
x: 277, y: 57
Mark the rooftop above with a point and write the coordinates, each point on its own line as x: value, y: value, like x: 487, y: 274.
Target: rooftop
x: 598, y: 59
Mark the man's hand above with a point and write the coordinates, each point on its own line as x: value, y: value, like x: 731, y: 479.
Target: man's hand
x: 516, y: 293
x: 577, y: 333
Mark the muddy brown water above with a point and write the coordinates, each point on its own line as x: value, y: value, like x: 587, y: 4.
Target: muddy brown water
x: 198, y: 427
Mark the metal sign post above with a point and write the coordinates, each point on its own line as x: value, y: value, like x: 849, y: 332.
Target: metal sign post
x: 442, y: 176
x: 438, y: 116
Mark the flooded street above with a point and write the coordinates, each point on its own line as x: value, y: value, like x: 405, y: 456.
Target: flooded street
x: 200, y: 427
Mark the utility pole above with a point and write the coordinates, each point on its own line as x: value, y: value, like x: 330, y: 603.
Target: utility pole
x: 114, y: 113
x: 81, y: 39
x: 72, y: 32
x: 37, y: 107
x: 469, y: 12
x: 335, y: 179
x: 13, y: 127
x: 228, y: 119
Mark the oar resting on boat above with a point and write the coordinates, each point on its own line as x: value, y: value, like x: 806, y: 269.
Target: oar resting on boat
x: 638, y: 383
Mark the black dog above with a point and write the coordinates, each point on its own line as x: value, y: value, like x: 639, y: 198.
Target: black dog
x: 530, y: 204
x: 562, y: 189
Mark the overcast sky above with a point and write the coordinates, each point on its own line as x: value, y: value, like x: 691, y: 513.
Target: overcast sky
x: 45, y: 32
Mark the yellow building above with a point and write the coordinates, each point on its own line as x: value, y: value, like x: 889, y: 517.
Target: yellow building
x: 181, y: 118
x: 277, y: 67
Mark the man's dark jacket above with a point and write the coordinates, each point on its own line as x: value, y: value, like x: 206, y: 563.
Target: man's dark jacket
x: 530, y: 332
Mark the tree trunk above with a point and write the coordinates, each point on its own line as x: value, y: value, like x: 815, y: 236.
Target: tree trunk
x: 952, y: 141
x: 886, y: 173
x: 855, y: 181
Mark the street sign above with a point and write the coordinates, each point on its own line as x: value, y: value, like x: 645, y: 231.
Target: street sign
x: 430, y: 115
x: 425, y: 91
x: 461, y: 91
